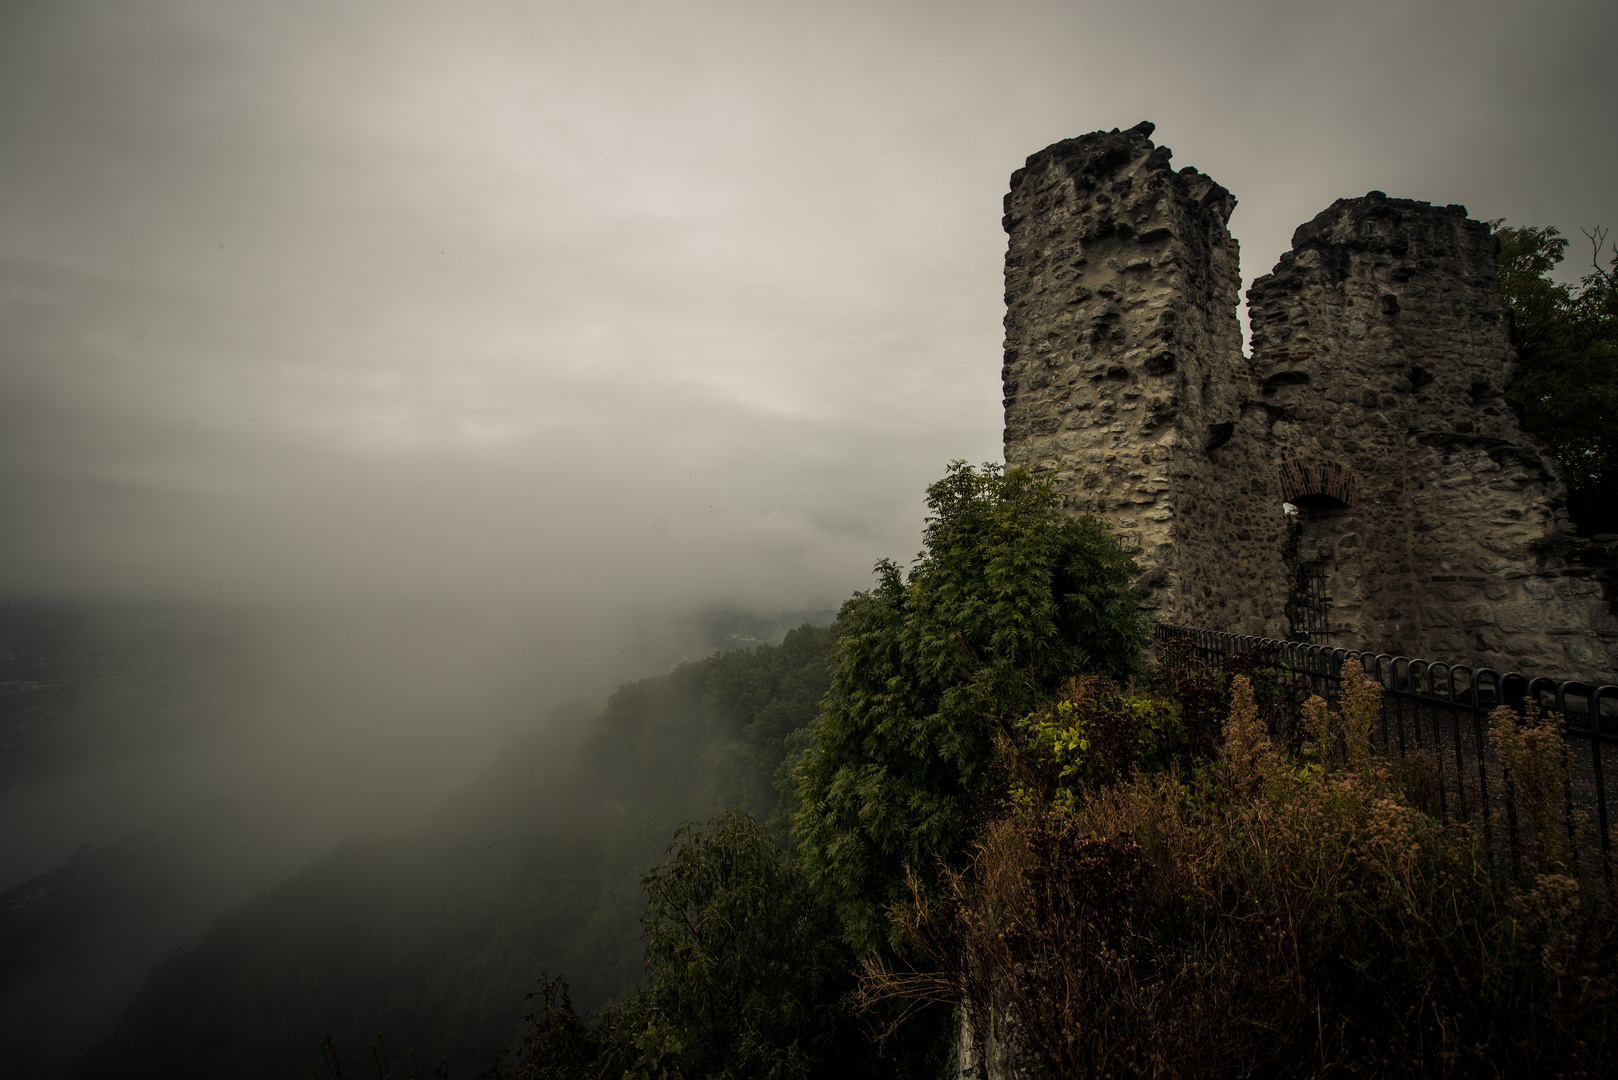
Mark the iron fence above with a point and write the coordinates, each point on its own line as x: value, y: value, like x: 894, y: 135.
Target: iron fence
x: 1441, y: 711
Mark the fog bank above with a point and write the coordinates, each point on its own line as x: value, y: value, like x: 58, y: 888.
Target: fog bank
x: 375, y: 380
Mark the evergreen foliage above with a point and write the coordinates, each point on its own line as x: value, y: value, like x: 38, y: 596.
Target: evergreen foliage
x: 744, y: 967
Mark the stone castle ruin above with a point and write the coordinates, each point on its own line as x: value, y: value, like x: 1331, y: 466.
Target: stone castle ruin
x: 1358, y: 480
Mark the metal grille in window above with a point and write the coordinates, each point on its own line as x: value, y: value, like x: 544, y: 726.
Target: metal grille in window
x: 1312, y: 600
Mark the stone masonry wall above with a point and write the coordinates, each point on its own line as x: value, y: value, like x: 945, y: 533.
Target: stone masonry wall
x: 1372, y: 401
x: 1382, y: 346
x: 1122, y: 359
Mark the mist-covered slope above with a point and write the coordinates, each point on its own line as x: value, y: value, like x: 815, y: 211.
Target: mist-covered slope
x: 433, y: 941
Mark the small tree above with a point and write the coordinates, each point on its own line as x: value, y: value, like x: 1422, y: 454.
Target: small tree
x: 1568, y: 340
x: 744, y: 968
x: 744, y: 976
x: 1007, y: 600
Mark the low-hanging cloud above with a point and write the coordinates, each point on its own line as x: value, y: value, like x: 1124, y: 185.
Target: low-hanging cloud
x: 542, y: 301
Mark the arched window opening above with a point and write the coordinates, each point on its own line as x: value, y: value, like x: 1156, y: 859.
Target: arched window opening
x: 1318, y: 485
x: 1311, y: 490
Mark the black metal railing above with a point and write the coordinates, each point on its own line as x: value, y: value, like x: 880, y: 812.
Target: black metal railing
x: 1441, y: 710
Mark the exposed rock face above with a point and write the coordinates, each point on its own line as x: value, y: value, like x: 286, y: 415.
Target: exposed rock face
x: 1429, y: 524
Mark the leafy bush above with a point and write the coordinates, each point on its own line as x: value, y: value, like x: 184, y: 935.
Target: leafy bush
x: 1096, y: 732
x: 744, y: 967
x: 1008, y: 599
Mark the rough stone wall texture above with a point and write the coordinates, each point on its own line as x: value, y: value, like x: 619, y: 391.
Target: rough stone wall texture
x: 1124, y: 355
x: 1372, y: 400
x: 1381, y: 345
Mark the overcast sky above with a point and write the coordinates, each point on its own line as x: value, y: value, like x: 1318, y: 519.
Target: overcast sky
x: 631, y: 304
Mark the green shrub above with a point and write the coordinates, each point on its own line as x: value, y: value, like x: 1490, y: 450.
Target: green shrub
x: 1009, y: 599
x: 745, y: 975
x: 1096, y: 732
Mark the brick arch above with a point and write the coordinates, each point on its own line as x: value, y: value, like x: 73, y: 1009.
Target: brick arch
x: 1318, y: 485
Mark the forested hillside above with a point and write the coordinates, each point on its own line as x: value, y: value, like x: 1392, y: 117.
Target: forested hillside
x: 537, y: 867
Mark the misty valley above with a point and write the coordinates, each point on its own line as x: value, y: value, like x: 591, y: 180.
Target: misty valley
x: 227, y: 937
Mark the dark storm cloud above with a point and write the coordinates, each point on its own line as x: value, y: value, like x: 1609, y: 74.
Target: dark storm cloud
x: 577, y: 302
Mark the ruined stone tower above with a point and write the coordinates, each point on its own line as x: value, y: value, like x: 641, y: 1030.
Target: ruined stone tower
x: 1423, y: 520
x: 1123, y: 366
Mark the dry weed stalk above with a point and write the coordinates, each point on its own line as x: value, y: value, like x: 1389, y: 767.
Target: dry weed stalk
x: 1362, y: 705
x: 1247, y: 750
x: 1533, y: 754
x: 1352, y: 728
x: 1317, y: 729
x: 1262, y: 918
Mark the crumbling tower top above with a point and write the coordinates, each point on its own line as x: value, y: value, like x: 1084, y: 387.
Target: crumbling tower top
x: 1122, y: 341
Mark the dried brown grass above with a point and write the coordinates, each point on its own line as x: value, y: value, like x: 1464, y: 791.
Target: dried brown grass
x: 1271, y: 915
x: 1533, y: 754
